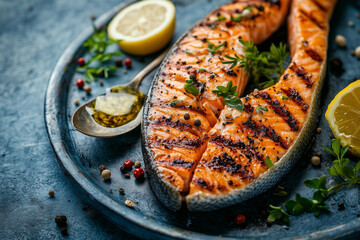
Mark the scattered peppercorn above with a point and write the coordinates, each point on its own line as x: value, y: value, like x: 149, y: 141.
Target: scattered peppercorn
x: 127, y: 175
x: 357, y: 52
x: 123, y: 169
x: 119, y: 62
x: 60, y: 220
x: 256, y: 90
x: 106, y: 174
x: 128, y: 164
x: 358, y: 214
x: 239, y: 219
x: 269, y: 223
x: 121, y: 191
x: 341, y: 206
x: 80, y: 83
x: 102, y: 168
x: 318, y: 130
x: 139, y: 173
x: 81, y: 62
x: 76, y: 102
x: 197, y: 123
x: 101, y: 82
x: 352, y: 53
x: 125, y: 71
x: 83, y: 98
x: 51, y: 193
x: 101, y: 74
x: 128, y: 63
x: 64, y: 231
x: 137, y: 164
x: 315, y: 160
x: 340, y: 40
x: 336, y: 66
x: 129, y: 203
x: 93, y: 17
x: 87, y: 89
x: 186, y: 116
x: 350, y: 23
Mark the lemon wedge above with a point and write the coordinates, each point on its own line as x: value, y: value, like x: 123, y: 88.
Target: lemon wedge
x: 343, y: 115
x: 144, y: 27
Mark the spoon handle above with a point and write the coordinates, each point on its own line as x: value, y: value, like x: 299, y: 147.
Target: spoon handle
x: 135, y: 82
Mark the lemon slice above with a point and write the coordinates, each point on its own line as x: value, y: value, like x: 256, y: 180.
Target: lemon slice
x: 144, y: 27
x: 343, y: 115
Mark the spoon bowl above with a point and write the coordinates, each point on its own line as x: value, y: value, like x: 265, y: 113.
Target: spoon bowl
x: 83, y: 120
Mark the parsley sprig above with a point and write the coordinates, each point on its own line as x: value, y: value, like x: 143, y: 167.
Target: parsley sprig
x: 347, y: 173
x: 191, y: 88
x: 229, y: 94
x: 265, y: 68
x: 97, y: 45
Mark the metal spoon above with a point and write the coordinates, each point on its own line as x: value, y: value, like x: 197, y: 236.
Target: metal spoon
x: 83, y: 121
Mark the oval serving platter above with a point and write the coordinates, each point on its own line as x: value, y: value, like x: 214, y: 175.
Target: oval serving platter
x: 79, y: 156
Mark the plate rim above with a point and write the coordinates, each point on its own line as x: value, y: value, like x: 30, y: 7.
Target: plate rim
x: 122, y: 216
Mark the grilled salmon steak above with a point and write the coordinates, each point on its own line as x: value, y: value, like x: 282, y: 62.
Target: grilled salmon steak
x: 199, y: 150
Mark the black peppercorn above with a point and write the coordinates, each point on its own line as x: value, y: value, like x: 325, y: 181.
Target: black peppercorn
x: 60, y: 220
x: 197, y: 123
x: 186, y: 116
x: 64, y: 231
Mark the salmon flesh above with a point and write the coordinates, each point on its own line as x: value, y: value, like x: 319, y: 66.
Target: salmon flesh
x: 201, y: 152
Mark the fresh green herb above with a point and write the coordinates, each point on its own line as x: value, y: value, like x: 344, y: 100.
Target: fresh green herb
x: 264, y: 65
x: 201, y: 70
x: 268, y: 162
x: 234, y: 102
x: 173, y: 103
x: 190, y: 88
x: 213, y: 48
x: 220, y: 18
x: 97, y: 45
x: 277, y: 213
x: 280, y: 194
x: 250, y: 8
x: 234, y: 60
x: 284, y: 97
x: 260, y: 109
x: 187, y: 51
x: 238, y: 18
x: 341, y: 168
x: 229, y: 90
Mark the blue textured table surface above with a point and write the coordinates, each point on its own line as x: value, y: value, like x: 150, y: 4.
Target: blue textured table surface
x: 33, y: 35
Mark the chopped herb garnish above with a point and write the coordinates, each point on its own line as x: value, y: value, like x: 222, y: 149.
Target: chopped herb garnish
x: 190, y: 88
x: 238, y: 18
x: 201, y: 70
x: 280, y: 194
x: 173, y: 103
x: 268, y: 162
x: 284, y: 97
x: 234, y: 102
x: 220, y: 18
x: 187, y: 51
x: 213, y: 48
x: 264, y: 65
x: 260, y: 109
x: 229, y: 90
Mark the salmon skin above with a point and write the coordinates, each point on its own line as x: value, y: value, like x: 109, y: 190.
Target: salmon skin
x: 198, y: 150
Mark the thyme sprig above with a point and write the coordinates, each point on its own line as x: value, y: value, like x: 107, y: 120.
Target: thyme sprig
x: 348, y: 175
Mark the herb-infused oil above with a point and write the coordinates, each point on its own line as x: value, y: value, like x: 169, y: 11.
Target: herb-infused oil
x: 117, y: 107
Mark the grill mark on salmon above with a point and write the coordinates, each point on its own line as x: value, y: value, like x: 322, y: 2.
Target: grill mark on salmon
x: 247, y: 150
x: 300, y: 72
x: 169, y: 123
x: 314, y: 54
x: 313, y: 19
x: 177, y: 142
x: 227, y: 163
x: 188, y: 108
x: 260, y: 130
x: 181, y: 163
x: 320, y: 6
x: 202, y: 183
x: 280, y: 110
x: 295, y: 96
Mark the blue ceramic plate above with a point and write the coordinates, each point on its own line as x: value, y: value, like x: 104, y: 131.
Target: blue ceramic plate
x: 79, y: 156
